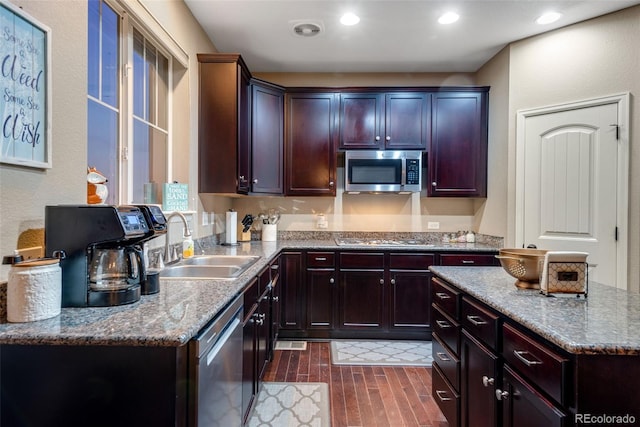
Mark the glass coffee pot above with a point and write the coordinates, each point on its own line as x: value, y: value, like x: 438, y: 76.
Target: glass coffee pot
x: 116, y: 268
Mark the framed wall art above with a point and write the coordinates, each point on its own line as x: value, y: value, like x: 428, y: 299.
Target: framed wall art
x: 25, y: 92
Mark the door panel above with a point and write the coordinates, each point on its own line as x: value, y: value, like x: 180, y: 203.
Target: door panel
x: 570, y: 182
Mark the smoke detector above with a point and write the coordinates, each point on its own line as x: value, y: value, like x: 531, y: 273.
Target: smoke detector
x: 307, y: 28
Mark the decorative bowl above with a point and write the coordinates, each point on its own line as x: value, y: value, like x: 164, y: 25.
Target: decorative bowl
x: 523, y: 264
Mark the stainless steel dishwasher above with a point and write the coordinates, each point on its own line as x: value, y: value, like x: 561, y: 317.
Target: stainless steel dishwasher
x: 216, y: 374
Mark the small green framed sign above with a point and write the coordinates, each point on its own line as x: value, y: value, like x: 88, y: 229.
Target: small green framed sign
x: 175, y: 197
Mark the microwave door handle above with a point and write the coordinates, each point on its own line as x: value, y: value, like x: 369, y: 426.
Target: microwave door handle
x: 403, y: 178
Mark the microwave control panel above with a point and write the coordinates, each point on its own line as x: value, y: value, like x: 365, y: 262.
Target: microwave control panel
x: 413, y: 172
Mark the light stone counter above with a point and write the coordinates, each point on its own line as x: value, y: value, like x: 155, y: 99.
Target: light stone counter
x: 606, y: 322
x: 181, y: 308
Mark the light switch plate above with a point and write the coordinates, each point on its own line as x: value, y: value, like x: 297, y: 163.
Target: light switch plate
x: 205, y: 218
x: 433, y: 225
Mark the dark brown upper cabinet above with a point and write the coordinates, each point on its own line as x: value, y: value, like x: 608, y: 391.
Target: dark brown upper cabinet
x: 458, y: 148
x: 379, y: 121
x: 223, y: 124
x: 267, y: 138
x: 310, y: 143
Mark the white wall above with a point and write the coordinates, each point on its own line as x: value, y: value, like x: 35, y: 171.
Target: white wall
x: 595, y: 58
x: 24, y: 192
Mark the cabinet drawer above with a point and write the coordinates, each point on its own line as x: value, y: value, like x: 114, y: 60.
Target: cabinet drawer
x: 481, y: 322
x: 447, y: 399
x: 446, y: 297
x: 448, y: 330
x: 411, y: 261
x: 469, y: 260
x: 373, y: 260
x: 448, y: 363
x: 538, y: 362
x: 320, y: 259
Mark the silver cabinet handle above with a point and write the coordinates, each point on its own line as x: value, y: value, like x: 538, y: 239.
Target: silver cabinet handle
x: 486, y: 381
x: 382, y: 281
x: 377, y: 137
x: 502, y: 395
x: 275, y: 299
x: 442, y: 295
x: 321, y: 258
x: 434, y: 183
x: 443, y: 324
x: 468, y: 261
x: 255, y: 180
x: 393, y: 281
x: 332, y: 281
x: 330, y: 183
x: 275, y: 267
x: 442, y: 395
x: 520, y: 355
x: 443, y: 356
x: 388, y: 138
x: 476, y: 320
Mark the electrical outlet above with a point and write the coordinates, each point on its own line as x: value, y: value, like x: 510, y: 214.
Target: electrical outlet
x: 205, y: 218
x: 433, y: 225
x: 31, y: 253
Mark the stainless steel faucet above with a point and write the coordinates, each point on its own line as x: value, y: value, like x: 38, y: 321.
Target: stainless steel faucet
x: 170, y: 257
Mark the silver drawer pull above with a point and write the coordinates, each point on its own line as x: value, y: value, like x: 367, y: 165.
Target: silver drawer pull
x: 443, y: 357
x: 442, y: 395
x: 321, y: 258
x: 520, y: 355
x: 476, y: 320
x: 442, y: 295
x: 486, y: 381
x: 468, y: 261
x: 443, y: 324
x: 502, y: 395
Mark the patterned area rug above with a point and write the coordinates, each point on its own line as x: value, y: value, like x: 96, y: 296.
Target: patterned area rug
x: 292, y: 405
x: 388, y: 353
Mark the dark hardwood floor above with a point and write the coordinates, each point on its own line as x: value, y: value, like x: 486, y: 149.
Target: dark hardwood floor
x: 362, y: 395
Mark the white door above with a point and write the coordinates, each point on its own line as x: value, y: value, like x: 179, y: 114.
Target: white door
x: 568, y: 186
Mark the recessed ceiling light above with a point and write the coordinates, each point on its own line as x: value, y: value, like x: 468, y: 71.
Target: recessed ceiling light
x: 349, y: 19
x: 548, y: 18
x: 449, y: 18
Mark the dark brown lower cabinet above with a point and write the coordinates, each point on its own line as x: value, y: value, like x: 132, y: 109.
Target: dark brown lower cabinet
x: 291, y: 292
x: 410, y: 300
x: 361, y: 301
x: 523, y: 406
x: 480, y: 368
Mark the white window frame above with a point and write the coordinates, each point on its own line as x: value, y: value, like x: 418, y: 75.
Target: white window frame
x: 134, y: 14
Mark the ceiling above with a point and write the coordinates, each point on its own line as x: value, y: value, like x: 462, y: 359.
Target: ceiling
x: 392, y: 36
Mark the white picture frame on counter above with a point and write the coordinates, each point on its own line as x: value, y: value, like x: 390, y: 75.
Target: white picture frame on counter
x: 25, y: 89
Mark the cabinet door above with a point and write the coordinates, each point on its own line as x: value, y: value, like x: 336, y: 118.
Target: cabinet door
x: 362, y: 299
x: 291, y: 290
x: 523, y: 406
x: 458, y: 149
x: 362, y: 121
x: 406, y: 121
x: 223, y: 124
x: 267, y: 140
x: 410, y: 299
x: 320, y: 298
x: 310, y: 144
x: 479, y: 368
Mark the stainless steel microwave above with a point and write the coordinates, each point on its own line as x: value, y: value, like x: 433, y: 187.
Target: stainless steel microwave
x: 382, y: 171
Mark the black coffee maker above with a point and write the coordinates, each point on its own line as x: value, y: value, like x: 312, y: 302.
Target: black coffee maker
x: 103, y: 263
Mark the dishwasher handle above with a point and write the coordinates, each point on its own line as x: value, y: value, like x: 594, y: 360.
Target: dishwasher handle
x: 213, y: 352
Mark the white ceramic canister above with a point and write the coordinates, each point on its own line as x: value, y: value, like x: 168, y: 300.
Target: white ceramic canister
x: 269, y: 232
x: 34, y: 290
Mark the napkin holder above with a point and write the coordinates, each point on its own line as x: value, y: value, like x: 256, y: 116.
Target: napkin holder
x: 564, y: 273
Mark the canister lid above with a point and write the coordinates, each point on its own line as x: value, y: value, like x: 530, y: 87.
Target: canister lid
x: 37, y: 262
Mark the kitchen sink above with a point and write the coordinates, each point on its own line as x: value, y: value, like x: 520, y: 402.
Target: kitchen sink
x: 209, y: 267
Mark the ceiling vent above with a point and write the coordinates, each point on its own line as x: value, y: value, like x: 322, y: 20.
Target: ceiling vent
x: 307, y: 28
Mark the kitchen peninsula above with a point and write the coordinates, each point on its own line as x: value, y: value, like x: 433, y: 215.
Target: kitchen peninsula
x: 518, y: 358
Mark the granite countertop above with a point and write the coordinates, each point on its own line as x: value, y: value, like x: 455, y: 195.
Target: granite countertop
x: 606, y: 322
x: 181, y: 308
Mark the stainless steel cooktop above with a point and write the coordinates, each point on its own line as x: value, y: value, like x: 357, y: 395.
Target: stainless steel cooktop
x: 355, y: 241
